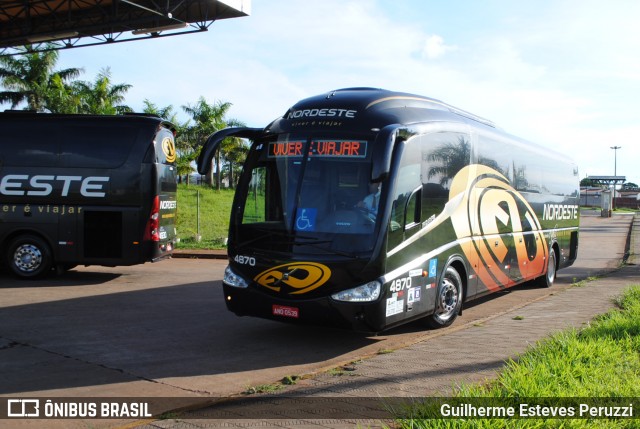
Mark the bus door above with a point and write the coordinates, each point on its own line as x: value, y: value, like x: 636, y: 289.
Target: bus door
x: 67, y: 245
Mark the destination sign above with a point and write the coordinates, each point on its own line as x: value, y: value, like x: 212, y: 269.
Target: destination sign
x: 290, y: 148
x: 320, y: 148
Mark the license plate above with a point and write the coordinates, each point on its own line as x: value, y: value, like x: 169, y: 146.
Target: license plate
x: 284, y: 311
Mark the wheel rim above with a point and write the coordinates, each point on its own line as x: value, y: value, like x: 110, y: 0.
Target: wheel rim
x: 447, y: 300
x: 551, y: 268
x: 27, y: 258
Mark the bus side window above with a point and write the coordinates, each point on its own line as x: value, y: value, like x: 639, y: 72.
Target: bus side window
x: 434, y: 197
x: 406, y: 199
x: 443, y: 155
x: 413, y: 210
x: 396, y: 227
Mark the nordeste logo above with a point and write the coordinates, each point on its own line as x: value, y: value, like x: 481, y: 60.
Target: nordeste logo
x: 294, y: 278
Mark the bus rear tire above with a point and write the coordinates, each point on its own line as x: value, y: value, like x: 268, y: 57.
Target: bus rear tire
x: 448, y: 300
x: 549, y: 277
x: 29, y: 257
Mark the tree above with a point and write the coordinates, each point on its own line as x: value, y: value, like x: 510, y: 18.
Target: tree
x: 629, y: 186
x: 102, y: 97
x: 209, y: 118
x: 31, y: 78
x: 235, y: 152
x: 586, y: 182
x: 62, y: 97
x: 451, y: 158
x: 164, y: 112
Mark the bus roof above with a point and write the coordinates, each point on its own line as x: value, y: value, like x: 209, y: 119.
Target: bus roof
x: 368, y: 107
x: 10, y: 115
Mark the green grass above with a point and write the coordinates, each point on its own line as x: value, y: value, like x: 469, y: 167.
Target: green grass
x: 599, y: 361
x: 215, y: 207
x: 263, y: 388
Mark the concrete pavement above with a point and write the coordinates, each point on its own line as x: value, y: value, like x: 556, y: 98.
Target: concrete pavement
x: 463, y: 353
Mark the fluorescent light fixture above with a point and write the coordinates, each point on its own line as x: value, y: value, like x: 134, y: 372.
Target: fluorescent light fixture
x: 48, y: 37
x: 179, y: 26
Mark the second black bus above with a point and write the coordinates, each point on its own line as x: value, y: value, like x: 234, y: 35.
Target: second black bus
x: 85, y: 190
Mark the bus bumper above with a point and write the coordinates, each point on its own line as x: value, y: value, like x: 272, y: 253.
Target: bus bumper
x: 162, y: 250
x: 323, y: 311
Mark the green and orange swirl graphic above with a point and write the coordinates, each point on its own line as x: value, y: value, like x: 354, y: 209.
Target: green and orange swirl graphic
x: 484, y: 198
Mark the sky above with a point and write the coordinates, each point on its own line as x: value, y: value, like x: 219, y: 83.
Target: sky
x: 562, y: 73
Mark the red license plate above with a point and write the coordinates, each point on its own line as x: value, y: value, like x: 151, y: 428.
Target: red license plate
x: 284, y: 311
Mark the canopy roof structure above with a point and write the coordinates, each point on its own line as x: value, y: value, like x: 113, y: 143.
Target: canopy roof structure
x: 39, y: 25
x: 607, y: 180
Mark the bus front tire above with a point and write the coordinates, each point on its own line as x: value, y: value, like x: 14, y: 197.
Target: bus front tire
x: 29, y: 256
x: 448, y: 300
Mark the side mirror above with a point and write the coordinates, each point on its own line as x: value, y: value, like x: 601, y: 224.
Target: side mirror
x: 382, y: 150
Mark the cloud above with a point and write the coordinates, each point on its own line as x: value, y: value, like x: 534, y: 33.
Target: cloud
x: 434, y: 47
x: 560, y: 73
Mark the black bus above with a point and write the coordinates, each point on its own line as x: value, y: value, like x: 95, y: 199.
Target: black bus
x: 85, y: 190
x: 366, y: 208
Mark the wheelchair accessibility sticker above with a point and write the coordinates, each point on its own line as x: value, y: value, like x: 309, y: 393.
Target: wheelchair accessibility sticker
x: 433, y: 268
x: 306, y: 219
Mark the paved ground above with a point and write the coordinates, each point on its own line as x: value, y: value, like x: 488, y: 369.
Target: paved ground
x: 465, y: 353
x: 62, y: 340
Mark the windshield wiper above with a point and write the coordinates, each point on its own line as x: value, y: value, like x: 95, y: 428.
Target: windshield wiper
x: 267, y: 233
x: 316, y: 244
x: 296, y: 240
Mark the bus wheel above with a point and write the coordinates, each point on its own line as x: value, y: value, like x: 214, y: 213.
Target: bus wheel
x: 448, y: 300
x: 550, y: 277
x: 29, y: 256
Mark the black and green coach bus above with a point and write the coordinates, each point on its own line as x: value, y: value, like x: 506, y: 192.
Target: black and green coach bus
x: 366, y: 208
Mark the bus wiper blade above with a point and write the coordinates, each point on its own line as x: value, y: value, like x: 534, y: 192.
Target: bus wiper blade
x: 267, y: 233
x: 315, y: 245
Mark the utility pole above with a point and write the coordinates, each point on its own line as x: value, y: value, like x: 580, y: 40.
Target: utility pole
x: 615, y: 173
x: 615, y: 159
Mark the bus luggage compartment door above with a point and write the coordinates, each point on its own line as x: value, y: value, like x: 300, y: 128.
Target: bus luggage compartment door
x: 102, y: 234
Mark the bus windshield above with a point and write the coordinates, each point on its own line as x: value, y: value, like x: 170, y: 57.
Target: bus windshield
x: 311, y: 193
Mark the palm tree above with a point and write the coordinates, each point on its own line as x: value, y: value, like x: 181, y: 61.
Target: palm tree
x: 209, y: 118
x: 32, y: 78
x: 62, y: 98
x: 452, y: 157
x: 235, y: 152
x: 164, y: 112
x: 184, y: 164
x: 102, y: 97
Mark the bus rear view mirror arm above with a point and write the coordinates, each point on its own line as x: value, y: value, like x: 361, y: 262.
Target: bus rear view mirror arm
x: 213, y: 142
x: 384, y: 144
x: 383, y: 149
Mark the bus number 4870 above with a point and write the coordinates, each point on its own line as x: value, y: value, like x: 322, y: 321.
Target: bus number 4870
x: 400, y: 284
x: 245, y: 260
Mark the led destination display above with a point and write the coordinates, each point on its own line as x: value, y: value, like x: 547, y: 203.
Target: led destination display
x: 322, y: 148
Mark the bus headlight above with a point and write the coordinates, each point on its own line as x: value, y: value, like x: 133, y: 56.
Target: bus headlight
x: 364, y: 293
x: 232, y: 279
